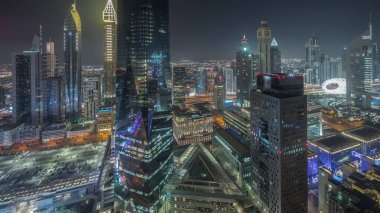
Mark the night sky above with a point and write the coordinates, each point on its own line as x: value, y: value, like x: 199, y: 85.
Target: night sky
x: 200, y: 29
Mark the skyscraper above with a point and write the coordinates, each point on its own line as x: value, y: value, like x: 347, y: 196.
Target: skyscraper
x: 110, y: 36
x: 275, y: 57
x: 178, y: 85
x: 73, y: 71
x: 359, y: 68
x: 244, y: 67
x: 49, y: 61
x: 279, y: 154
x: 143, y: 138
x: 312, y: 51
x: 264, y: 38
x: 219, y: 91
x: 91, y: 97
x: 26, y: 81
x: 201, y: 78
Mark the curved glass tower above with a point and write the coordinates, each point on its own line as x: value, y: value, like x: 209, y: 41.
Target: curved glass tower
x: 72, y: 53
x: 143, y: 136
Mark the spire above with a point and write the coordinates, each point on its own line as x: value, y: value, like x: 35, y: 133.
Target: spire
x: 75, y: 4
x: 274, y: 43
x: 370, y: 26
x: 244, y: 40
x: 109, y: 13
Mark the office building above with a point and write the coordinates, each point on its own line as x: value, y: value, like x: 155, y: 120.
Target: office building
x: 219, y: 91
x: 110, y: 45
x: 349, y: 191
x: 237, y: 121
x: 359, y: 68
x: 264, y: 40
x: 91, y: 97
x: 312, y: 51
x: 53, y: 111
x: 49, y: 61
x: 26, y: 89
x: 201, y: 78
x: 244, y: 73
x: 312, y: 170
x: 234, y: 157
x: 279, y: 154
x: 193, y: 125
x: 230, y: 80
x: 314, y: 120
x: 178, y: 85
x: 275, y: 57
x: 8, y: 134
x: 73, y: 71
x: 143, y: 134
x: 105, y: 119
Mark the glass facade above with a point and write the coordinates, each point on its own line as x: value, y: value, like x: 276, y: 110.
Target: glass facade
x: 143, y: 137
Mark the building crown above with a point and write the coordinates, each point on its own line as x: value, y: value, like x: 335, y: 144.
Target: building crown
x: 109, y: 14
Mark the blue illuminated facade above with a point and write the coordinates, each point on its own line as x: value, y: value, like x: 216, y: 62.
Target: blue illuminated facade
x: 143, y: 136
x: 335, y: 150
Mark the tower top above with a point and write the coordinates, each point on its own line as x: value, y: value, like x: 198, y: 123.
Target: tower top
x: 274, y: 43
x: 264, y: 23
x: 244, y: 40
x: 109, y: 13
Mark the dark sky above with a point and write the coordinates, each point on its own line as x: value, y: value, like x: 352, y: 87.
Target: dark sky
x: 200, y: 29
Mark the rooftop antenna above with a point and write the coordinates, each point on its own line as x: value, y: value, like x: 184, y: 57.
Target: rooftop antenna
x: 41, y: 41
x: 370, y: 26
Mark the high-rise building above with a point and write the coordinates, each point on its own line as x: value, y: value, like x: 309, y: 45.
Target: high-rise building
x: 264, y: 39
x: 359, y: 70
x: 26, y: 81
x: 52, y: 100
x: 52, y: 86
x: 2, y: 97
x: 49, y: 61
x: 144, y: 136
x: 275, y: 57
x: 230, y: 80
x: 279, y: 154
x: 201, y: 78
x: 178, y: 85
x: 110, y: 43
x: 219, y: 91
x: 73, y: 71
x: 91, y: 97
x: 244, y: 76
x: 312, y: 51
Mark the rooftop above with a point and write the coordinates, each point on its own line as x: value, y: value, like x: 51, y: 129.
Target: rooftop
x: 233, y: 143
x: 335, y: 143
x: 38, y: 172
x: 364, y: 133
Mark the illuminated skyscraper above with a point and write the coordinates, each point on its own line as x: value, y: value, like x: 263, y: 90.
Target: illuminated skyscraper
x: 313, y: 59
x: 73, y: 70
x: 275, y: 57
x: 264, y: 39
x: 244, y: 67
x: 279, y: 154
x: 144, y: 136
x: 110, y: 27
x: 359, y: 67
x: 219, y: 91
x: 178, y: 85
x: 26, y: 102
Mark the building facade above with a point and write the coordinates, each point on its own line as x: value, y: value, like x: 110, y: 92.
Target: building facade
x: 219, y: 91
x: 143, y: 134
x: 110, y: 45
x: 91, y: 95
x: 279, y: 154
x: 264, y: 39
x: 275, y: 57
x: 26, y: 89
x: 244, y: 75
x: 73, y: 71
x: 178, y: 85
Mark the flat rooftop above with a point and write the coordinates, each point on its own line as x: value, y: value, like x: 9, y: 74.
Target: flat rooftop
x: 335, y: 143
x: 46, y: 171
x: 364, y: 133
x: 234, y: 143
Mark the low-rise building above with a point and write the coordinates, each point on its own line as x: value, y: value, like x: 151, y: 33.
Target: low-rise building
x: 54, y: 132
x: 192, y: 125
x: 8, y: 134
x: 105, y: 119
x: 234, y: 157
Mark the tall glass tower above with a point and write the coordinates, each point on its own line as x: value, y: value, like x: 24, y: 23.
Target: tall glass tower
x: 110, y: 24
x: 143, y: 136
x: 73, y: 73
x: 244, y: 66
